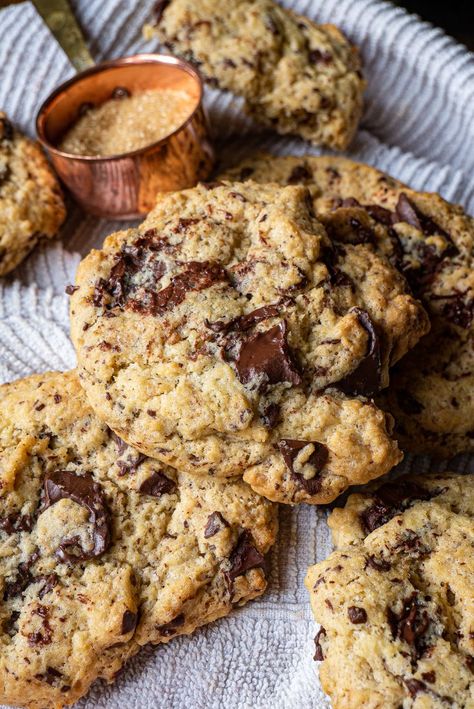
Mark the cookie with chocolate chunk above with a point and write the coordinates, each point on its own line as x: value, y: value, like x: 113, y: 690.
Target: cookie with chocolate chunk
x: 31, y: 203
x: 228, y: 336
x: 432, y: 243
x: 395, y: 599
x: 295, y: 76
x: 104, y: 550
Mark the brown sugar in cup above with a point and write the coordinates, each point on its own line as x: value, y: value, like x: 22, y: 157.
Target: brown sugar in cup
x: 125, y: 185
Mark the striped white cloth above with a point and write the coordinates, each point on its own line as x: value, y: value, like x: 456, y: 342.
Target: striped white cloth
x: 417, y: 125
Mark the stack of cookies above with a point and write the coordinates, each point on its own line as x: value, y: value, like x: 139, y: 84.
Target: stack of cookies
x: 276, y: 336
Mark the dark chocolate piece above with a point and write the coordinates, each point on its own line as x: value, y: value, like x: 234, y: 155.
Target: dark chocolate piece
x: 290, y: 448
x: 357, y: 615
x: 411, y: 624
x: 391, y: 499
x: 129, y: 622
x: 170, y: 628
x: 82, y: 489
x: 157, y: 484
x: 244, y: 557
x: 318, y: 655
x: 365, y: 379
x: 215, y: 523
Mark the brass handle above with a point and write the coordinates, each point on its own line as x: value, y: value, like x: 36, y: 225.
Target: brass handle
x: 58, y: 16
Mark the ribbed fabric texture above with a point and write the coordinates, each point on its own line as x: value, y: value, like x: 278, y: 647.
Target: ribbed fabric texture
x: 418, y: 126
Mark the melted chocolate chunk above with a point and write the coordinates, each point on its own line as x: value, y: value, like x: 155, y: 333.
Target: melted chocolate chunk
x: 459, y: 311
x: 391, y: 499
x: 242, y: 323
x: 300, y: 173
x: 406, y: 211
x: 129, y: 622
x: 43, y: 636
x: 82, y: 489
x: 244, y: 557
x: 15, y: 522
x: 20, y: 583
x: 157, y: 484
x: 170, y: 628
x: 318, y: 655
x: 70, y: 289
x: 121, y: 445
x: 429, y: 677
x: 131, y: 464
x: 365, y: 379
x: 265, y: 358
x: 49, y: 582
x: 379, y: 214
x: 411, y: 624
x: 290, y: 448
x: 357, y: 615
x: 215, y: 523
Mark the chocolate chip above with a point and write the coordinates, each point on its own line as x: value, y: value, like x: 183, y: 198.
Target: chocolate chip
x: 121, y: 445
x: 19, y: 584
x: 131, y: 464
x: 459, y: 311
x: 51, y: 676
x: 377, y: 564
x: 290, y: 449
x: 57, y: 398
x: 365, y: 379
x: 407, y: 211
x: 15, y: 522
x: 357, y: 615
x: 379, y: 214
x: 49, y: 582
x: 414, y: 686
x: 429, y: 676
x: 318, y: 655
x: 215, y: 523
x: 170, y: 628
x: 70, y: 289
x: 392, y: 498
x: 82, y: 489
x: 411, y: 624
x: 300, y: 173
x: 244, y: 557
x: 265, y: 358
x: 228, y: 63
x: 271, y: 415
x: 129, y: 622
x: 43, y: 636
x: 120, y: 92
x: 157, y: 484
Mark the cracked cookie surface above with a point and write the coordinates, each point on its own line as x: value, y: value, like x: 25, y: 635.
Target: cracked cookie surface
x: 31, y: 202
x: 104, y: 550
x: 296, y: 76
x: 226, y: 335
x: 432, y: 243
x: 395, y: 599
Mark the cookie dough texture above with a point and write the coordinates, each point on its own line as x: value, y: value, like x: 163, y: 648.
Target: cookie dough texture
x: 104, y: 550
x: 432, y: 243
x: 395, y: 599
x: 295, y: 76
x: 31, y: 203
x: 227, y: 336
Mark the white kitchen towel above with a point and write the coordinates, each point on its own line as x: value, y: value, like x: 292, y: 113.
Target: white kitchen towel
x: 418, y: 126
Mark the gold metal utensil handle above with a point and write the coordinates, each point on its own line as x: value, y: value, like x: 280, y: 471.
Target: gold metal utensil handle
x: 60, y: 19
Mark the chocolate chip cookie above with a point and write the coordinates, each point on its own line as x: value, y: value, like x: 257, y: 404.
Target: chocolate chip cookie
x: 104, y: 550
x: 295, y: 76
x: 31, y: 203
x: 395, y: 599
x: 432, y: 243
x: 228, y: 336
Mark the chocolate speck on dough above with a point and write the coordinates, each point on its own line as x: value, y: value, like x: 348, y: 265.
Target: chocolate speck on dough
x: 357, y: 615
x: 15, y: 522
x: 300, y: 173
x: 377, y: 564
x: 429, y: 677
x: 415, y: 686
x: 70, y: 289
x: 215, y: 523
x: 51, y: 676
x: 49, y: 582
x: 157, y: 484
x: 271, y: 415
x: 410, y: 624
x: 82, y: 489
x: 129, y: 622
x: 365, y: 379
x: 290, y: 449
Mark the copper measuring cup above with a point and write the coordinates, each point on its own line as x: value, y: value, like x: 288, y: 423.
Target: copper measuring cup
x: 125, y: 186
